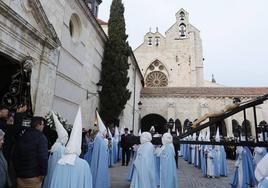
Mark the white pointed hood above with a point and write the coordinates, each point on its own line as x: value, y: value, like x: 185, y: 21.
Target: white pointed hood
x: 122, y: 130
x: 116, y: 134
x: 194, y: 137
x: 73, y: 148
x: 217, y: 138
x: 109, y: 133
x: 152, y: 129
x: 61, y: 132
x: 100, y: 124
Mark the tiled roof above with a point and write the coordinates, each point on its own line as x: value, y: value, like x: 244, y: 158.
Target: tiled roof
x: 204, y: 91
x: 101, y: 22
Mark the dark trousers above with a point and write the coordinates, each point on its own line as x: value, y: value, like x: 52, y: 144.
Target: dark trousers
x: 125, y: 153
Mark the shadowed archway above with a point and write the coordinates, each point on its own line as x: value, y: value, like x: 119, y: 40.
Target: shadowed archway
x: 155, y: 120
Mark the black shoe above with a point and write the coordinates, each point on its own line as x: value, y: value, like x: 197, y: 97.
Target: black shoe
x: 123, y: 164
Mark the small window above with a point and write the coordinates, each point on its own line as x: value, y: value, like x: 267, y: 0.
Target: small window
x: 177, y: 59
x: 150, y: 41
x: 182, y: 30
x: 157, y: 41
x: 75, y: 27
x: 182, y: 15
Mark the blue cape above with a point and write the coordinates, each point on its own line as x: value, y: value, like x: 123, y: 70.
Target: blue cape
x: 99, y: 163
x: 72, y: 176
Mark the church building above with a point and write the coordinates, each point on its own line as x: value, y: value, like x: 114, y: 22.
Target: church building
x: 175, y: 89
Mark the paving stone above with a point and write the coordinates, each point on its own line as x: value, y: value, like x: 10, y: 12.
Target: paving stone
x: 188, y: 176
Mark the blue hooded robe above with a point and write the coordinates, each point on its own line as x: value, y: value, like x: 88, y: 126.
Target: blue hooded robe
x: 168, y: 172
x: 99, y: 163
x: 144, y: 167
x: 131, y: 169
x: 203, y: 160
x: 248, y: 177
x: 259, y: 153
x: 52, y: 162
x: 72, y: 176
x: 114, y: 151
x: 88, y: 154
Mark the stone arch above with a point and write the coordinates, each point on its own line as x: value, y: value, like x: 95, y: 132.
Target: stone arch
x: 156, y: 120
x: 155, y: 74
x: 178, y: 126
x: 186, y: 125
x: 236, y: 127
x: 246, y: 126
x: 222, y: 129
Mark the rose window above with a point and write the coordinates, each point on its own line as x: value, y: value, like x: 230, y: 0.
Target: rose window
x: 156, y: 79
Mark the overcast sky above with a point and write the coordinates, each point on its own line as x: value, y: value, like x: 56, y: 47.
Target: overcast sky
x: 234, y: 33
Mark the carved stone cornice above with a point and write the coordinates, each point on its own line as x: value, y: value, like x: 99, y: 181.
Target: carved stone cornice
x: 49, y: 37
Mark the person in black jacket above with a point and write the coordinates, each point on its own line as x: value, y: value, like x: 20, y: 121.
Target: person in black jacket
x: 31, y: 155
x: 125, y: 147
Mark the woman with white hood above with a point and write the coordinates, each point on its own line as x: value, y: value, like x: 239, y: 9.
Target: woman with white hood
x: 56, y: 151
x: 261, y: 172
x: 144, y: 164
x: 168, y: 174
x: 99, y: 161
x: 72, y: 171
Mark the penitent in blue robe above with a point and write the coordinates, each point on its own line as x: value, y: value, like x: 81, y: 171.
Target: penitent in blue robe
x: 131, y: 169
x: 52, y: 161
x: 222, y: 161
x: 72, y: 176
x: 88, y: 154
x: 115, y: 144
x: 203, y: 160
x: 144, y: 167
x: 168, y: 172
x: 248, y: 177
x: 259, y: 153
x: 99, y: 163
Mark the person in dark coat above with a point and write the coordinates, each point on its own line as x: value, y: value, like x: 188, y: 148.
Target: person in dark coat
x: 4, y: 179
x: 31, y: 155
x: 125, y: 148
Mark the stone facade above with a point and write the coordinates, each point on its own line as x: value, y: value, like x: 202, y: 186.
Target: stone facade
x: 174, y: 59
x: 66, y: 44
x: 172, y: 66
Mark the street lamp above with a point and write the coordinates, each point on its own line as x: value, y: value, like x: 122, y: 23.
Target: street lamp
x: 139, y: 106
x: 99, y: 89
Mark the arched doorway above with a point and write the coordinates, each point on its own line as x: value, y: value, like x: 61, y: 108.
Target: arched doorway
x: 178, y: 126
x: 222, y: 129
x: 15, y: 83
x: 246, y: 127
x: 236, y: 128
x: 155, y: 120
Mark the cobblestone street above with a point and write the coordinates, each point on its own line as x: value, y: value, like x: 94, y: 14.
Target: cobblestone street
x: 189, y: 177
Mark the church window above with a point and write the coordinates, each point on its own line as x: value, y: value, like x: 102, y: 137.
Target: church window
x: 150, y: 41
x: 156, y: 79
x: 157, y: 41
x: 75, y: 27
x: 182, y: 30
x: 156, y: 63
x: 151, y: 67
x: 161, y: 67
x: 177, y: 59
x: 182, y: 15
